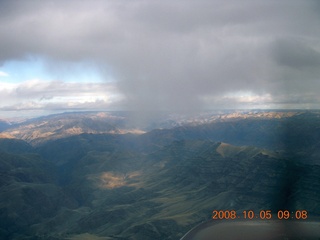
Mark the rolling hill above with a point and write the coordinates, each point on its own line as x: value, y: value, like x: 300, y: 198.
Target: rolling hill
x: 156, y: 185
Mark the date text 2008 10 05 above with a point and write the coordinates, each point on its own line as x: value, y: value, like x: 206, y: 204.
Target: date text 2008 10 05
x: 262, y: 215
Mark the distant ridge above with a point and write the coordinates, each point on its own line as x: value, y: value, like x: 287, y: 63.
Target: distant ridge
x: 4, y: 125
x: 39, y: 130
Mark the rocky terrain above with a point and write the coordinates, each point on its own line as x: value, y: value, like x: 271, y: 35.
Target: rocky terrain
x: 42, y: 129
x: 156, y: 185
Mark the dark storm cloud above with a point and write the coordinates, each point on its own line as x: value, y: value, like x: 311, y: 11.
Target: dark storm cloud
x: 297, y: 66
x: 296, y: 55
x: 169, y: 54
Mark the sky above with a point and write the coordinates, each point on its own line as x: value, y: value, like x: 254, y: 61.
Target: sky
x: 181, y: 56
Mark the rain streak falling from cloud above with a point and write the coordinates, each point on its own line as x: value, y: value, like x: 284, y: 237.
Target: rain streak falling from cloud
x: 169, y: 55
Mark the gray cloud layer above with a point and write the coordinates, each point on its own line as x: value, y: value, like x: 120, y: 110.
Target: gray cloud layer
x: 173, y: 54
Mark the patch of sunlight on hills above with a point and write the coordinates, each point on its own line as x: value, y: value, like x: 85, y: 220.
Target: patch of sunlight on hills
x: 228, y: 150
x: 109, y: 180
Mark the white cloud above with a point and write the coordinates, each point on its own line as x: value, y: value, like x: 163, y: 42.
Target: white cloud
x: 4, y: 74
x: 239, y: 100
x: 39, y: 94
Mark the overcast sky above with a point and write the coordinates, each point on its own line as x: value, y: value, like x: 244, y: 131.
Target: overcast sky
x: 158, y: 55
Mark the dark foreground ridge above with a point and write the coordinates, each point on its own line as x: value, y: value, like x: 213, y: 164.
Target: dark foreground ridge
x: 255, y: 229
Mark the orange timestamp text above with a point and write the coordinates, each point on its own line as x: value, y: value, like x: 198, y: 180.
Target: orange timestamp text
x: 261, y: 215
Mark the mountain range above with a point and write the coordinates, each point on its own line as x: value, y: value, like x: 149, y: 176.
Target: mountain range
x: 97, y: 176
